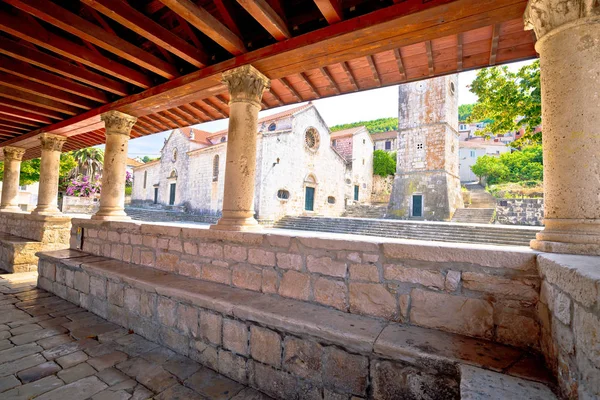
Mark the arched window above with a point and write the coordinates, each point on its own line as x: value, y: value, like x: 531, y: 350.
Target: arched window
x: 145, y: 178
x: 283, y: 194
x: 216, y: 168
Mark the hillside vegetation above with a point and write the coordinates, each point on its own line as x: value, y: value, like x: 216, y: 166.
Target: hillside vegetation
x: 373, y: 126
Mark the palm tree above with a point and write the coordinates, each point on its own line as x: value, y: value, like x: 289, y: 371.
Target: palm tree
x: 89, y: 163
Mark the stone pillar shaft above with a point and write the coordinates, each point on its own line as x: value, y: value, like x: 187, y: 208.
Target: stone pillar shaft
x: 10, y: 180
x: 569, y: 48
x: 49, y: 173
x: 246, y: 86
x: 112, y: 195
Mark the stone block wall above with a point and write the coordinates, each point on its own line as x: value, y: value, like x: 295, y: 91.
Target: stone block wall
x: 569, y: 310
x: 479, y: 292
x: 18, y: 255
x: 520, y: 212
x: 53, y: 232
x: 276, y: 361
x: 382, y: 189
x: 80, y: 205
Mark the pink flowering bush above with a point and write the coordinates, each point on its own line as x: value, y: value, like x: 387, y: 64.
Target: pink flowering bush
x: 82, y: 186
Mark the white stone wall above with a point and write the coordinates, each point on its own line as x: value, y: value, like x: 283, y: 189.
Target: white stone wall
x: 296, y: 163
x: 138, y: 191
x: 362, y: 165
x: 206, y: 196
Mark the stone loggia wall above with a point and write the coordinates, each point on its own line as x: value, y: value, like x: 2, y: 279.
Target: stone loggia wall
x: 569, y: 310
x: 478, y: 292
x: 382, y: 189
x: 520, y: 212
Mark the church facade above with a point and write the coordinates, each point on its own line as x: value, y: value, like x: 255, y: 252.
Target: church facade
x: 299, y: 169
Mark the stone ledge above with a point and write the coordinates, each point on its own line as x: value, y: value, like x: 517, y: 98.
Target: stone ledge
x: 362, y: 335
x: 17, y: 254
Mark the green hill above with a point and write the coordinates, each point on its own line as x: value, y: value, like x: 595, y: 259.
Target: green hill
x: 373, y: 126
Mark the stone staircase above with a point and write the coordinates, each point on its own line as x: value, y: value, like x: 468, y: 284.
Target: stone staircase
x: 474, y: 215
x: 376, y: 210
x: 482, y: 207
x: 160, y: 215
x: 432, y: 231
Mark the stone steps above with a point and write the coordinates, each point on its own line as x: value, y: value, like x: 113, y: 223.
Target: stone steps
x: 474, y: 215
x: 159, y: 215
x: 366, y: 211
x: 445, y: 232
x: 269, y: 342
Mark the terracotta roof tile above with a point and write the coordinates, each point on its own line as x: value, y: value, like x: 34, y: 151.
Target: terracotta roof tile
x: 384, y: 135
x: 346, y: 132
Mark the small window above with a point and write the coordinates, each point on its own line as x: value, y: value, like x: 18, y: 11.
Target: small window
x: 452, y: 88
x: 283, y: 194
x: 23, y: 187
x: 272, y: 127
x: 348, y: 181
x: 174, y: 155
x: 364, y: 141
x: 363, y: 161
x: 145, y: 178
x: 333, y: 142
x: 216, y: 168
x: 223, y: 139
x: 388, y: 145
x: 419, y: 146
x: 331, y: 200
x: 472, y: 153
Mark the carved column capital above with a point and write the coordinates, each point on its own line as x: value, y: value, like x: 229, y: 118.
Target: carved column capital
x: 13, y: 153
x: 52, y: 142
x: 246, y: 83
x: 544, y: 16
x: 118, y: 123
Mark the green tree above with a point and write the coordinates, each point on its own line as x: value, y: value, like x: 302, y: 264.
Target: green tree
x: 465, y: 111
x: 384, y: 163
x: 489, y: 168
x: 509, y: 100
x: 518, y: 166
x: 373, y: 126
x: 30, y: 169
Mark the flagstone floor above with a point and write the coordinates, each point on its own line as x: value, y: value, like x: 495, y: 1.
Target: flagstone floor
x: 52, y: 350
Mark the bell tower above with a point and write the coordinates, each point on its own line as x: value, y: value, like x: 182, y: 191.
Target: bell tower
x: 427, y: 184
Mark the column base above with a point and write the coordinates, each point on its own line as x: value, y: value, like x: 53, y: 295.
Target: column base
x: 111, y: 215
x: 238, y: 224
x: 47, y: 211
x: 12, y: 209
x: 569, y: 236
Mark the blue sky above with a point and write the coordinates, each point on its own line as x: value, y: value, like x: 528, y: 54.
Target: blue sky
x: 362, y: 106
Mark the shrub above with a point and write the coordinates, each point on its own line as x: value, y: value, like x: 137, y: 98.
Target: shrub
x: 384, y: 163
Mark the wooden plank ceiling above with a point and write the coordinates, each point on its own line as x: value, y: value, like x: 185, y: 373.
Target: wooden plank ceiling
x: 63, y: 63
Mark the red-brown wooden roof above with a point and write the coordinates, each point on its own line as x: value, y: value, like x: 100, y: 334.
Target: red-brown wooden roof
x: 63, y: 63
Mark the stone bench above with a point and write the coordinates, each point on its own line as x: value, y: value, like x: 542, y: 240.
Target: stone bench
x: 17, y: 254
x: 289, y: 348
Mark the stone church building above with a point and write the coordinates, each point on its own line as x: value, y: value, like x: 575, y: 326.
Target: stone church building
x: 301, y: 170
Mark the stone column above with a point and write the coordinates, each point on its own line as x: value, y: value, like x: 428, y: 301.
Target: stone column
x: 49, y: 171
x: 568, y: 35
x: 10, y: 181
x: 112, y: 196
x: 246, y: 86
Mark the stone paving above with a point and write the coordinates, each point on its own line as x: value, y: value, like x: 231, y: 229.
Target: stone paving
x: 51, y: 349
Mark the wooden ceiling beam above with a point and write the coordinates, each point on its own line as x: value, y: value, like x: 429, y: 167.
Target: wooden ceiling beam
x: 325, y: 72
x: 80, y: 27
x: 12, y: 125
x: 27, y: 71
x: 153, y: 7
x: 182, y: 116
x: 222, y: 7
x: 276, y: 97
x: 312, y: 87
x: 331, y: 10
x: 19, y: 120
x: 374, y: 71
x: 214, y: 107
x: 202, y: 111
x: 459, y: 52
x: 193, y: 37
x: 350, y: 75
x: 22, y: 29
x: 206, y: 23
x: 30, y: 108
x: 400, y: 63
x: 166, y: 122
x: 153, y: 124
x: 19, y: 95
x: 166, y: 114
x: 190, y: 115
x: 134, y: 20
x: 291, y: 89
x: 24, y: 114
x: 223, y: 101
x: 264, y: 14
x: 16, y: 82
x: 430, y: 63
x: 8, y: 133
x: 197, y: 114
x: 495, y: 41
x: 148, y: 127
